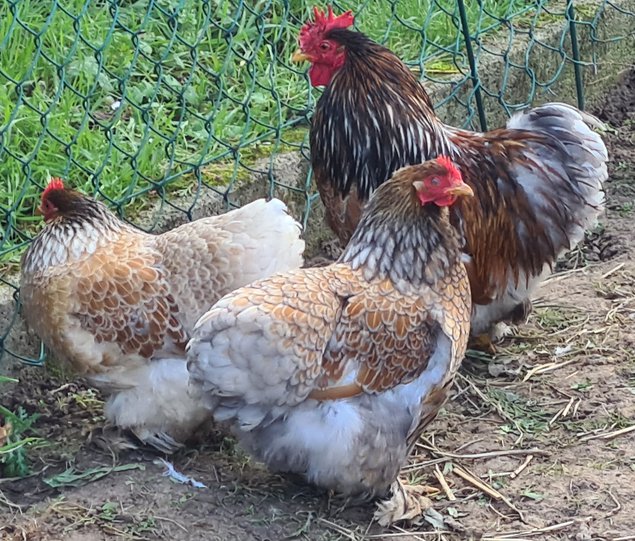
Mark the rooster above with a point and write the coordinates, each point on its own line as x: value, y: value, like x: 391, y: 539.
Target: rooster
x: 538, y: 183
x: 119, y: 304
x: 333, y: 372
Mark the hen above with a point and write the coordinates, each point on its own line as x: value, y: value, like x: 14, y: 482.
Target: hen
x: 538, y: 183
x: 119, y: 304
x: 333, y: 372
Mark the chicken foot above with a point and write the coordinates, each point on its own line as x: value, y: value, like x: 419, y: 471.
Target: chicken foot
x: 406, y: 503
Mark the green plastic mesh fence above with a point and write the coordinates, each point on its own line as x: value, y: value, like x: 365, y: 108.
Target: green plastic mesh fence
x: 152, y: 104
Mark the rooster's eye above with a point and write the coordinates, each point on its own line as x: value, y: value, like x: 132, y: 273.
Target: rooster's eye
x: 324, y: 46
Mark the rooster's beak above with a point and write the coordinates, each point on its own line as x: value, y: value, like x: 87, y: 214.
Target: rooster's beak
x: 38, y: 211
x: 299, y: 56
x: 461, y: 189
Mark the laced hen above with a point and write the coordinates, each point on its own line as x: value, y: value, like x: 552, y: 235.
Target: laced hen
x: 333, y: 372
x: 119, y: 304
x: 538, y: 183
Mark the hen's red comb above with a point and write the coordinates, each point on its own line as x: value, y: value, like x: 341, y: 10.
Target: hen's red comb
x: 453, y: 171
x: 325, y: 21
x: 55, y: 183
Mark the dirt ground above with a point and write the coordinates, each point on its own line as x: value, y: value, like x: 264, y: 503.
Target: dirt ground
x: 535, y: 444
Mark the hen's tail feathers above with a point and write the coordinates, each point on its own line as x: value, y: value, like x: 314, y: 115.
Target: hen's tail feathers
x: 575, y: 161
x: 272, y: 241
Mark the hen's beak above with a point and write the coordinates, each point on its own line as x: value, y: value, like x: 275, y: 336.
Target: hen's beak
x: 460, y: 189
x: 38, y: 211
x: 299, y: 56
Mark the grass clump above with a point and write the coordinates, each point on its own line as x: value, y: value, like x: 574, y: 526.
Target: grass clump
x: 16, y: 438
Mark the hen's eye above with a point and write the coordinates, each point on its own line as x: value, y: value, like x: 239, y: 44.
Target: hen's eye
x: 435, y: 181
x: 324, y: 46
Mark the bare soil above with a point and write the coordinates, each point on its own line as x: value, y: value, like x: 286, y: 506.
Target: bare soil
x: 543, y: 426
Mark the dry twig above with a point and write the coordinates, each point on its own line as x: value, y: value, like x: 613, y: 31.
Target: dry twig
x: 520, y: 535
x: 522, y: 467
x: 542, y: 368
x: 608, y: 435
x: 487, y: 489
x: 444, y: 484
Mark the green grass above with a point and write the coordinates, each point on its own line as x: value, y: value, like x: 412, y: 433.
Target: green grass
x: 17, y: 439
x: 524, y: 415
x: 123, y: 99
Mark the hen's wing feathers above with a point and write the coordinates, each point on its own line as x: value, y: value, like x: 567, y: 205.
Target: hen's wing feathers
x: 122, y: 296
x: 318, y: 330
x: 390, y: 337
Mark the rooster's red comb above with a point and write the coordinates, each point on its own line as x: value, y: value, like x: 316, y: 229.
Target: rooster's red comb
x: 55, y: 183
x: 453, y: 170
x: 324, y: 21
x: 330, y: 21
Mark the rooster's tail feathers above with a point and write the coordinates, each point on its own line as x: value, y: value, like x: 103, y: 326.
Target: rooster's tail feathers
x: 577, y: 156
